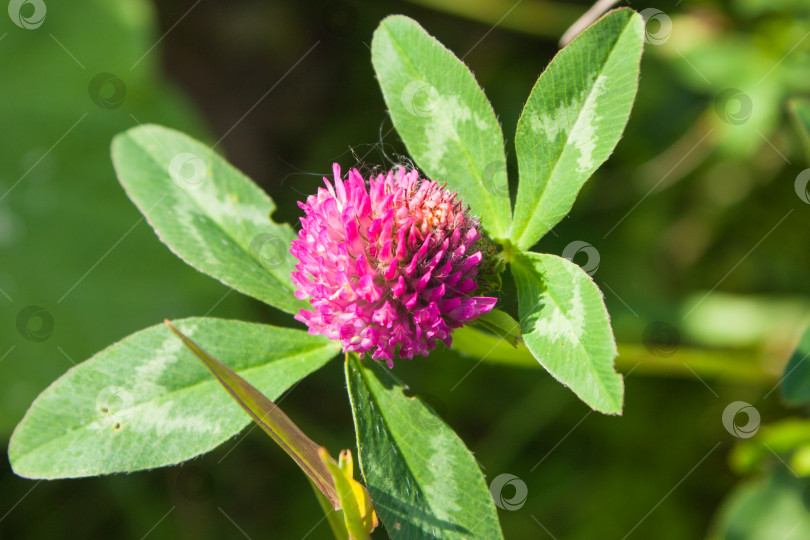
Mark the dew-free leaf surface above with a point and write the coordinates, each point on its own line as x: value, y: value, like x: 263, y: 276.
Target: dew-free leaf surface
x: 566, y: 326
x: 573, y: 119
x: 208, y: 213
x: 443, y: 117
x: 147, y: 402
x: 423, y: 480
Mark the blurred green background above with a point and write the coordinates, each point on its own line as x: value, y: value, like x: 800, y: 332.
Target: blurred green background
x: 698, y: 234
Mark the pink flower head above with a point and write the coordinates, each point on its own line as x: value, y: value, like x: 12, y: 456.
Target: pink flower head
x: 390, y: 266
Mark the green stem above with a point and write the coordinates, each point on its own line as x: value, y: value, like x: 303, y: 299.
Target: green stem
x: 730, y: 365
x: 744, y: 365
x: 508, y: 250
x: 334, y: 517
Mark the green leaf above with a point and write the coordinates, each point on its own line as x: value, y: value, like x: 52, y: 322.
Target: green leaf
x: 357, y: 508
x: 573, y: 119
x: 796, y: 379
x: 357, y: 518
x: 424, y: 482
x: 499, y: 323
x: 801, y: 117
x: 303, y: 450
x: 147, y: 402
x: 207, y: 212
x: 771, y: 507
x: 567, y: 328
x: 789, y: 437
x: 443, y: 117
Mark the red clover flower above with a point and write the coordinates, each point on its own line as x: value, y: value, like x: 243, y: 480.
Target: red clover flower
x: 390, y: 266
